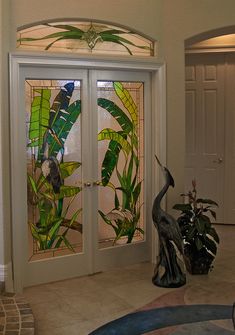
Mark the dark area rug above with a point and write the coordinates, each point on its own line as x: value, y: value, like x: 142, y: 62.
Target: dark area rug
x: 169, y: 314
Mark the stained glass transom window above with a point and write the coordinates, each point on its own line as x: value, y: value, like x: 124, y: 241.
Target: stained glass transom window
x: 83, y: 38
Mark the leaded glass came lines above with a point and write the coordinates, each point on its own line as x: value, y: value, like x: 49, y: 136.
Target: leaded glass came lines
x: 84, y: 38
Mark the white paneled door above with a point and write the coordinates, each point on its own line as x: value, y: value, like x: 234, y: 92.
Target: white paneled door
x: 210, y: 141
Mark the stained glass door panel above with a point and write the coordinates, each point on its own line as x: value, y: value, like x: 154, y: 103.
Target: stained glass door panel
x: 120, y: 162
x: 54, y: 168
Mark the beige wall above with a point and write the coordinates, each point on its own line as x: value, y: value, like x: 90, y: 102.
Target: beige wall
x: 168, y: 21
x: 182, y: 20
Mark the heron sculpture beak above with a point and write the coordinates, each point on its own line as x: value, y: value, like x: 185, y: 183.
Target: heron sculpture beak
x: 158, y: 161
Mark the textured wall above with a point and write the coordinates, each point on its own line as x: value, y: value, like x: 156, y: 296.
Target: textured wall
x: 170, y: 22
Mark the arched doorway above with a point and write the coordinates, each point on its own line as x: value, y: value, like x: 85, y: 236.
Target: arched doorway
x: 210, y: 105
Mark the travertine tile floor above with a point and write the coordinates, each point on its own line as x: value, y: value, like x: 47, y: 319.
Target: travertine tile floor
x: 15, y: 316
x: 80, y: 305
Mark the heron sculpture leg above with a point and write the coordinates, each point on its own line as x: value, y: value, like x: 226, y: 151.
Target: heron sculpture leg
x: 169, y: 270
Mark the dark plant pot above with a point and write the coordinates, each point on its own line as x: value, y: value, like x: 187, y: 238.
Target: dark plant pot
x: 198, y: 263
x: 196, y: 267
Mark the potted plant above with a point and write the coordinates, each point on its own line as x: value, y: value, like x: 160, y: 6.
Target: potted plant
x: 199, y: 236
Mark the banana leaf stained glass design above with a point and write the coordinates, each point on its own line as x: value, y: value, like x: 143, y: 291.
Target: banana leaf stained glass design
x: 121, y: 162
x: 53, y: 109
x: 84, y: 37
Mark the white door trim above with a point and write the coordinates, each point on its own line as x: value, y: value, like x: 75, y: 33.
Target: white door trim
x: 18, y: 60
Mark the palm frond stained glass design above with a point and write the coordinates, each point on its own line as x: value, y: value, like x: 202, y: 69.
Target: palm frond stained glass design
x: 121, y: 162
x: 53, y: 122
x: 84, y: 37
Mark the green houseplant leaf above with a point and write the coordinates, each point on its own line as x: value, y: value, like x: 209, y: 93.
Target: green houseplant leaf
x: 207, y: 201
x: 212, y: 232
x: 210, y: 245
x: 182, y: 207
x: 213, y: 213
x: 198, y: 243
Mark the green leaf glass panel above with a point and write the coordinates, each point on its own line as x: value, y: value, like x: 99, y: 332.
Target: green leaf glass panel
x: 84, y: 37
x: 54, y: 168
x: 120, y: 162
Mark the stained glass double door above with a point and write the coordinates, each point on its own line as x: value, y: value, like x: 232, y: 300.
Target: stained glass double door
x: 84, y: 168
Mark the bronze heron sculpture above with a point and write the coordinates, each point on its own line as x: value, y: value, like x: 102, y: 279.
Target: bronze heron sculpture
x: 170, y: 269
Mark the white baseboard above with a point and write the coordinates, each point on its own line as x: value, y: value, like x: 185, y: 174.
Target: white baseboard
x: 3, y: 272
x: 6, y: 276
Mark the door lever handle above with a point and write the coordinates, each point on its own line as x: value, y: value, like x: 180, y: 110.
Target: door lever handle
x: 218, y: 161
x: 87, y: 184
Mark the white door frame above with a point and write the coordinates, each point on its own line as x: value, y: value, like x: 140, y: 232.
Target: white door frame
x: 18, y: 60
